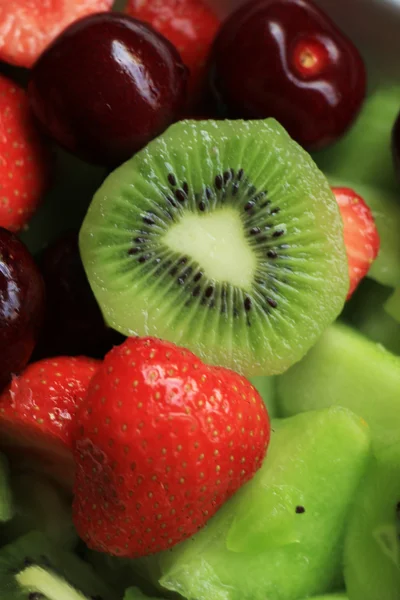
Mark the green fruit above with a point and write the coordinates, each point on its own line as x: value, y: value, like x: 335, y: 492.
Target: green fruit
x: 41, y: 506
x: 372, y: 546
x: 6, y: 500
x: 362, y: 160
x: 346, y: 369
x: 222, y: 237
x: 331, y: 597
x: 365, y: 311
x: 33, y: 565
x: 266, y: 388
x: 280, y: 537
x: 392, y: 306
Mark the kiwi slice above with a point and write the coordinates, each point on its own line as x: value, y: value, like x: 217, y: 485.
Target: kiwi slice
x: 392, y: 305
x: 6, y: 500
x: 32, y: 568
x: 372, y: 546
x: 40, y: 505
x: 222, y: 237
x: 346, y: 369
x: 281, y: 536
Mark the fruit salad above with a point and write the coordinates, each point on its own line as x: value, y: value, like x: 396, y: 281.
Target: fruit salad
x: 199, y: 304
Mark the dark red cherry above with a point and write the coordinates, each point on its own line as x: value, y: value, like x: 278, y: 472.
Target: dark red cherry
x: 286, y: 59
x: 396, y: 146
x: 107, y: 86
x: 22, y: 299
x: 73, y: 323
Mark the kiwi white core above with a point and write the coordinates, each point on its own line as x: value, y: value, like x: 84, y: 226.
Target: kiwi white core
x: 36, y: 579
x: 216, y: 241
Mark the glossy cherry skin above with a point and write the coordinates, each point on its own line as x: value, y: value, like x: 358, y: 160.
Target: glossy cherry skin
x: 107, y: 86
x: 396, y: 146
x: 22, y: 300
x: 73, y: 323
x: 286, y: 59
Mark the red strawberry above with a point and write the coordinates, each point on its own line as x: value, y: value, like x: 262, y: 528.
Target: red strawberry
x: 190, y: 25
x: 163, y: 440
x: 361, y: 236
x: 24, y: 158
x: 37, y: 414
x: 28, y: 26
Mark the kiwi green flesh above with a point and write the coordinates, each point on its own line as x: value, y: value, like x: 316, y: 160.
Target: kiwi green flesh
x: 40, y: 505
x: 346, y: 369
x: 222, y: 237
x: 281, y: 536
x: 35, y: 550
x: 372, y: 545
x: 6, y: 499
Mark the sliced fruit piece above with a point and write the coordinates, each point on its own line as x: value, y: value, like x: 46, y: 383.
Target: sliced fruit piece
x: 190, y: 25
x: 26, y: 28
x: 362, y: 160
x: 40, y: 505
x: 372, y: 547
x: 266, y: 388
x: 319, y: 457
x: 222, y: 237
x: 361, y: 237
x: 182, y: 437
x: 346, y: 369
x: 37, y: 411
x: 366, y: 312
x: 32, y: 565
x: 25, y: 159
x: 6, y: 499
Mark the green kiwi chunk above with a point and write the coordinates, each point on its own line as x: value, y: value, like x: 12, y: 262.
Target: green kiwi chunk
x: 32, y: 568
x: 281, y: 536
x: 346, y: 369
x: 362, y: 160
x: 6, y: 499
x: 392, y: 305
x: 222, y: 237
x: 42, y: 506
x: 372, y: 546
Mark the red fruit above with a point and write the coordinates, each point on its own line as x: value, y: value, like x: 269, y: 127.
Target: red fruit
x: 22, y: 300
x: 286, y: 59
x: 190, y: 25
x: 28, y: 26
x: 361, y: 236
x: 37, y: 414
x: 24, y: 158
x: 163, y: 440
x: 115, y: 84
